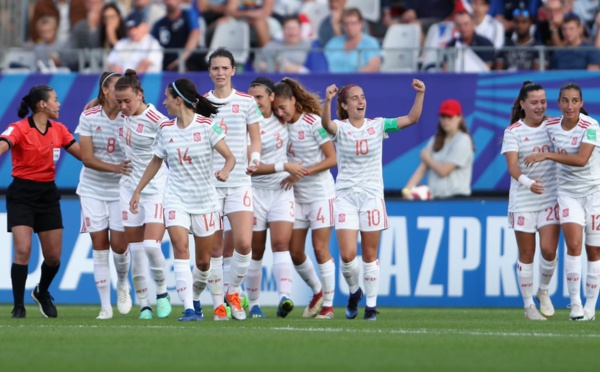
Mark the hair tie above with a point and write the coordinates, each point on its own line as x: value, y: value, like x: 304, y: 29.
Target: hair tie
x: 108, y: 77
x: 181, y: 95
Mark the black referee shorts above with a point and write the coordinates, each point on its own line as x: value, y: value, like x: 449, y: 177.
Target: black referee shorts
x: 33, y: 204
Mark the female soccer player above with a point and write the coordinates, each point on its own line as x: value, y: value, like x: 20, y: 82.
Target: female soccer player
x: 532, y: 199
x: 100, y: 132
x: 359, y: 204
x: 32, y: 199
x: 144, y: 230
x: 314, y: 190
x: 240, y: 120
x: 273, y: 206
x: 190, y: 202
x: 576, y: 140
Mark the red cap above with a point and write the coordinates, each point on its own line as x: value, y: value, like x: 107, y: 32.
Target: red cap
x: 450, y: 107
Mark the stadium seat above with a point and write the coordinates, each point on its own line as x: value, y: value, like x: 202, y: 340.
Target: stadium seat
x: 19, y: 60
x: 234, y: 36
x: 370, y: 9
x: 203, y: 28
x: 316, y: 13
x: 401, y: 48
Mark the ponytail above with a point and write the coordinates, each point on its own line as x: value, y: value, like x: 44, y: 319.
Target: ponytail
x: 30, y: 101
x: 186, y: 90
x: 305, y: 101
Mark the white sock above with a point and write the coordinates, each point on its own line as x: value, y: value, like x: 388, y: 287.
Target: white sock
x: 307, y: 272
x: 122, y: 262
x: 183, y: 282
x: 351, y: 272
x: 327, y: 270
x: 371, y: 282
x: 156, y: 258
x: 283, y: 271
x: 592, y: 286
x: 253, y: 281
x: 546, y: 272
x: 139, y: 273
x: 239, y: 270
x: 215, y: 280
x: 525, y: 280
x: 573, y: 274
x: 200, y: 280
x: 226, y: 273
x: 102, y: 277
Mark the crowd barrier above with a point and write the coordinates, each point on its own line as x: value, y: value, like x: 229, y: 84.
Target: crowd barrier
x: 456, y: 253
x: 486, y: 98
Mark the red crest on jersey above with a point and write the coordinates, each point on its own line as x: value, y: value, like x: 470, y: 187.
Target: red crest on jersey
x: 371, y: 131
x: 342, y: 217
x: 574, y: 141
x: 87, y: 222
x: 140, y: 128
x: 171, y: 215
x: 124, y: 216
x: 235, y: 109
x: 120, y: 132
x: 566, y: 212
x: 301, y: 136
x: 521, y: 221
x: 197, y: 137
x: 255, y: 221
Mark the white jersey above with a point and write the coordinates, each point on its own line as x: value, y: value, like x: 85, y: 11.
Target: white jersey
x: 140, y: 134
x: 189, y: 151
x: 526, y: 140
x: 107, y: 138
x: 237, y: 111
x: 359, y: 152
x: 305, y: 139
x: 274, y: 138
x: 573, y: 181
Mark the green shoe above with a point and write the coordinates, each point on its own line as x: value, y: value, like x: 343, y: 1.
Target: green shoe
x: 146, y: 314
x: 228, y: 309
x: 163, y: 307
x: 245, y: 302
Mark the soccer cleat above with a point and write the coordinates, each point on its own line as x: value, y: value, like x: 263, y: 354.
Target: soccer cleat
x: 352, y: 305
x: 123, y: 299
x: 44, y: 300
x: 105, y: 314
x: 233, y: 300
x: 189, y: 315
x: 576, y: 312
x: 588, y: 316
x: 325, y: 313
x: 18, y: 312
x: 146, y: 313
x: 285, y: 307
x: 531, y: 313
x: 256, y: 313
x: 198, y: 309
x: 220, y: 313
x: 163, y: 307
x: 546, y: 307
x: 370, y: 313
x: 245, y: 301
x: 228, y: 309
x: 314, y: 307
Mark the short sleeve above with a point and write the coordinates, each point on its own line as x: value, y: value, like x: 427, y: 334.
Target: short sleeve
x: 461, y: 152
x: 253, y: 115
x: 509, y: 142
x: 592, y: 135
x: 12, y: 135
x: 215, y: 134
x: 320, y: 134
x: 66, y: 137
x: 84, y: 127
x: 159, y: 147
x: 192, y: 17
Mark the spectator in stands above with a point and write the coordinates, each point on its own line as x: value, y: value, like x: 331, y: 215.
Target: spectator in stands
x: 426, y: 13
x: 211, y: 10
x: 549, y: 28
x: 139, y: 50
x: 447, y: 159
x: 48, y: 48
x: 287, y: 55
x: 577, y: 54
x: 354, y: 51
x: 486, y: 25
x: 503, y: 10
x: 85, y: 34
x: 332, y: 24
x: 112, y: 26
x: 68, y: 13
x: 512, y: 58
x: 283, y: 9
x: 177, y: 30
x: 152, y: 12
x: 587, y: 11
x: 467, y: 37
x: 256, y: 13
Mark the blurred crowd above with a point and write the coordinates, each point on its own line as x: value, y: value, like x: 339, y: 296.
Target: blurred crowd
x: 300, y: 36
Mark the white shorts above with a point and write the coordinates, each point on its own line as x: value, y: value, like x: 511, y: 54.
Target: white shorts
x: 360, y: 211
x: 225, y: 224
x: 150, y: 209
x: 99, y: 215
x: 316, y: 215
x: 200, y: 225
x: 271, y: 206
x: 582, y: 211
x: 530, y: 222
x: 234, y: 199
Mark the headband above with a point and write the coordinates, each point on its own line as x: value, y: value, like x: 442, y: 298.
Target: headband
x: 262, y: 85
x: 181, y: 95
x: 345, y: 89
x: 108, y: 77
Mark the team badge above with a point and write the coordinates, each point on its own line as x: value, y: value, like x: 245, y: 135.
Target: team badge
x: 124, y: 216
x: 371, y: 130
x: 235, y: 109
x: 140, y: 128
x: 197, y: 137
x: 171, y: 215
x: 565, y: 212
x: 301, y: 136
x: 120, y: 132
x: 574, y: 141
x: 342, y: 217
x: 521, y: 221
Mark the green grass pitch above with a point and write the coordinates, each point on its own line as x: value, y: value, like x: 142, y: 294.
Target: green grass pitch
x: 402, y: 339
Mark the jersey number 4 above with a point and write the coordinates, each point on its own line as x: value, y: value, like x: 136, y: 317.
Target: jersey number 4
x: 185, y: 156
